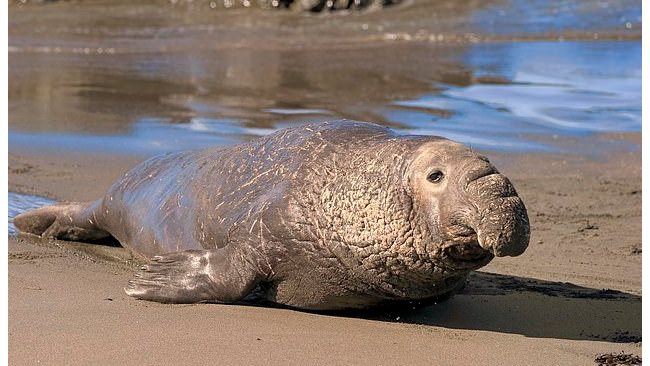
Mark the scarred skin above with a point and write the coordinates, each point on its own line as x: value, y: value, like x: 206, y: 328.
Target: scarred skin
x: 325, y: 216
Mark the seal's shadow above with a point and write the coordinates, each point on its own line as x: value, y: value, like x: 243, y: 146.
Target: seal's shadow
x: 526, y: 306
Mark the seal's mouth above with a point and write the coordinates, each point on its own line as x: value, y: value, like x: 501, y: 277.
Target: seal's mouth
x: 469, y: 257
x: 465, y: 252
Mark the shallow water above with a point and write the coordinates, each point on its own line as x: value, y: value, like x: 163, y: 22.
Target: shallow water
x: 499, y: 75
x: 19, y: 203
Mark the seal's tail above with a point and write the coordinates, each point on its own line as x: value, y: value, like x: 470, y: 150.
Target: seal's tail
x: 72, y: 221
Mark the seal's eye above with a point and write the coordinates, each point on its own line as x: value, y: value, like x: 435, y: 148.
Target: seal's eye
x: 435, y: 176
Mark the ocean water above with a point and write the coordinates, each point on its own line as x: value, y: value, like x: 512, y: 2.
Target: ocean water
x: 504, y: 96
x: 554, y: 89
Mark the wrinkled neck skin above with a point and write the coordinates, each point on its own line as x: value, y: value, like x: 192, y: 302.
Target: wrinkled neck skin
x: 376, y: 211
x: 365, y: 215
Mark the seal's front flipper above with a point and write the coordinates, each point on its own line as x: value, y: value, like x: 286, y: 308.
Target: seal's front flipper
x: 72, y: 221
x: 193, y: 276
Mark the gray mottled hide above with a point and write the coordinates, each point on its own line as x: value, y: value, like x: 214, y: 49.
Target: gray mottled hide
x: 324, y: 216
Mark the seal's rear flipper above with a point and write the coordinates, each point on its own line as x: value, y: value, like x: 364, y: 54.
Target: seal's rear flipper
x: 73, y: 221
x: 192, y: 276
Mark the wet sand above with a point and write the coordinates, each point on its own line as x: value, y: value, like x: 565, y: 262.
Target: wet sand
x: 574, y: 294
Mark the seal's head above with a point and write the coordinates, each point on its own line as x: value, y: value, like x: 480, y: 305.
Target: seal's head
x: 467, y: 209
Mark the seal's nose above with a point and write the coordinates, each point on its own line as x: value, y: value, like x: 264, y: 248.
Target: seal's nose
x: 501, y: 220
x: 504, y: 228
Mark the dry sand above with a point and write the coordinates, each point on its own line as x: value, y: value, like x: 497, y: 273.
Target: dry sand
x: 574, y: 294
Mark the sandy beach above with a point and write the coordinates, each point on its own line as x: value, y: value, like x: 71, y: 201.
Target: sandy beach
x: 574, y: 294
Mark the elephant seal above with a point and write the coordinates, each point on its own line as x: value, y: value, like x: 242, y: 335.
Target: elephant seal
x: 325, y: 216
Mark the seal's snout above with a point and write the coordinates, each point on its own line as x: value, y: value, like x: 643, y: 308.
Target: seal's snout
x: 501, y: 225
x: 505, y: 231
